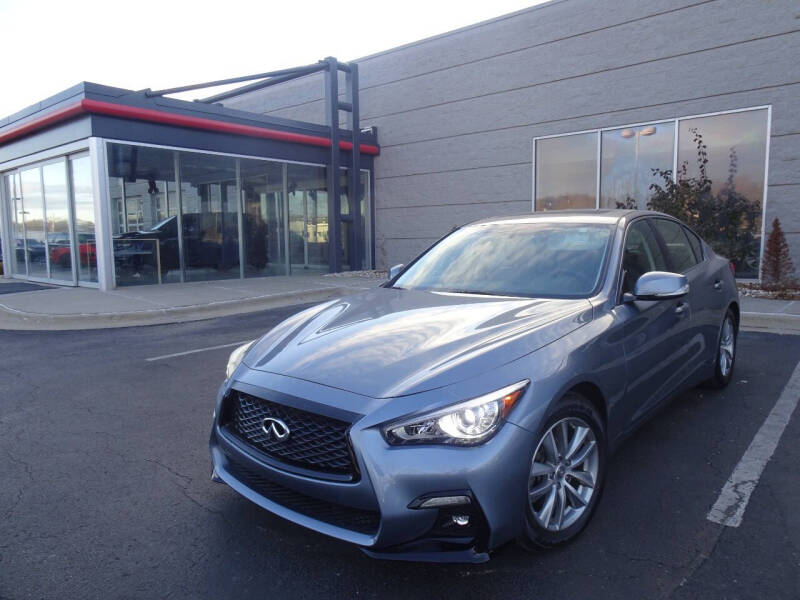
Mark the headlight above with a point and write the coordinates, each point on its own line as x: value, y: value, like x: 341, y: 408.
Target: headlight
x: 236, y: 358
x: 466, y: 423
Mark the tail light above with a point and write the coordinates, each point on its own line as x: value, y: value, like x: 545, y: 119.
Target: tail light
x: 733, y: 268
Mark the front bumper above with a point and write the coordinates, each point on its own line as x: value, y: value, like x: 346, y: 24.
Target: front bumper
x: 373, y: 511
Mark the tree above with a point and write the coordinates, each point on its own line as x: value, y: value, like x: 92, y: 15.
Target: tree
x: 777, y: 270
x: 725, y: 219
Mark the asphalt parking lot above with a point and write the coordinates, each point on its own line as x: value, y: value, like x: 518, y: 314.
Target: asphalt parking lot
x: 105, y: 490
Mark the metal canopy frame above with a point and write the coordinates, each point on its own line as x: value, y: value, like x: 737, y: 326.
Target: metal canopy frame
x: 333, y: 105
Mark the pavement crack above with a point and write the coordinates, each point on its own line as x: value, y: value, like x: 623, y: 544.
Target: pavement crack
x: 208, y: 509
x: 170, y: 470
x: 647, y: 560
x: 26, y: 467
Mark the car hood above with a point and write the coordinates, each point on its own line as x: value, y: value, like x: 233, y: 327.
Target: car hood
x: 389, y: 342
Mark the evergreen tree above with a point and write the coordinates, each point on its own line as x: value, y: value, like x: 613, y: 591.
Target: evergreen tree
x: 777, y: 270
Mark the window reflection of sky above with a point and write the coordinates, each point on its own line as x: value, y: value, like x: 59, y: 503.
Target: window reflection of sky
x: 515, y: 259
x: 627, y: 159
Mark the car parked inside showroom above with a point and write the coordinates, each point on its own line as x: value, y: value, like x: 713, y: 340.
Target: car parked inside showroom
x: 476, y: 396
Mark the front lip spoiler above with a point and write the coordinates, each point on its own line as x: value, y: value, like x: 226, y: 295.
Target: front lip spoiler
x: 220, y: 461
x: 409, y: 553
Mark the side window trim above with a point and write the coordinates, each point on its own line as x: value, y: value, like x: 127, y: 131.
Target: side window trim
x: 651, y: 221
x: 621, y: 267
x: 663, y: 244
x: 691, y: 234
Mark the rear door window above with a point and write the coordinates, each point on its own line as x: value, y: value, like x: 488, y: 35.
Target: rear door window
x: 695, y: 243
x: 679, y: 251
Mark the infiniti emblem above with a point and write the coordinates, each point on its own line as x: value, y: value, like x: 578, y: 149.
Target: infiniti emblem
x: 275, y: 429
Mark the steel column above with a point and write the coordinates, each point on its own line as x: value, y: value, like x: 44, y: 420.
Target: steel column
x: 356, y: 238
x: 334, y: 192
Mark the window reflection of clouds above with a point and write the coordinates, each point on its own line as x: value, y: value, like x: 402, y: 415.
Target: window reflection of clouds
x: 566, y: 172
x: 744, y: 133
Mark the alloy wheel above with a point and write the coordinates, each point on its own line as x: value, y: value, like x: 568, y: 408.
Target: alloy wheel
x: 727, y: 347
x: 563, y: 474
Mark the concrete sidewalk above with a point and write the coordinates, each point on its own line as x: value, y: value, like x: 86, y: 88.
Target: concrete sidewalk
x: 775, y: 316
x: 57, y: 308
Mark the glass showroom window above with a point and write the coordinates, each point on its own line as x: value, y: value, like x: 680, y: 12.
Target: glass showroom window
x: 628, y: 158
x: 210, y: 223
x: 566, y: 172
x: 144, y: 209
x: 724, y: 153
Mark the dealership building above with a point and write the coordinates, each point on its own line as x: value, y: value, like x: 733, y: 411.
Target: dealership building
x: 569, y: 104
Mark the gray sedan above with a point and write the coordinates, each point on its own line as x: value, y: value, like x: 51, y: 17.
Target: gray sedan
x: 475, y: 397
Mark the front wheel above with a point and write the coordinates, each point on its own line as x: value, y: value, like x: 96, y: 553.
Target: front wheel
x: 566, y: 476
x: 726, y: 353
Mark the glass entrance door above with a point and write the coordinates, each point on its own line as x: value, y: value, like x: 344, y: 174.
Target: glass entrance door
x: 349, y: 244
x: 58, y: 234
x: 308, y: 219
x: 33, y: 220
x: 16, y: 262
x: 41, y: 222
x: 263, y: 227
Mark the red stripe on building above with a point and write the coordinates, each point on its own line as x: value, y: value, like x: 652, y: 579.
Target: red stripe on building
x: 87, y: 106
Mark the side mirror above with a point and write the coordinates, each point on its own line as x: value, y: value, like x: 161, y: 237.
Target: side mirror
x: 660, y: 285
x: 395, y: 271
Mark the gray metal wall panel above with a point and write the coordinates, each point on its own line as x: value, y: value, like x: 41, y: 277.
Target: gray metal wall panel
x: 482, y: 185
x: 598, y: 52
x: 435, y: 221
x: 457, y: 113
x: 59, y: 135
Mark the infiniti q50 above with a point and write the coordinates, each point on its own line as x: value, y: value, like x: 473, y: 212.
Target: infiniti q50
x: 476, y: 396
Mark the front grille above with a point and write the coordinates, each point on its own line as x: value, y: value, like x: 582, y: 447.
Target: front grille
x: 353, y: 519
x: 315, y: 441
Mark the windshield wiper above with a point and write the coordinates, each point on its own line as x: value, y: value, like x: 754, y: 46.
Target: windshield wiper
x: 477, y: 293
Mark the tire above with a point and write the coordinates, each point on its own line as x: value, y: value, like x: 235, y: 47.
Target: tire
x: 722, y: 376
x: 576, y: 412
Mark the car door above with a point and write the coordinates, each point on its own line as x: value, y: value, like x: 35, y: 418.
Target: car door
x: 682, y: 257
x: 655, y: 332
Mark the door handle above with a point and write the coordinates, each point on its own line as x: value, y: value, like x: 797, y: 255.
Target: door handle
x: 718, y: 284
x: 681, y: 308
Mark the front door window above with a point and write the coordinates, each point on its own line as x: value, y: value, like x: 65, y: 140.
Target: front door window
x: 642, y: 255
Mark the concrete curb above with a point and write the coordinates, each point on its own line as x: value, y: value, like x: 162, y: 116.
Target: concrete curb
x: 771, y: 322
x: 16, y: 320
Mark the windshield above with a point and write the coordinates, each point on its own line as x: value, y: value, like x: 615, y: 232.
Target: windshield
x: 160, y: 224
x: 557, y: 260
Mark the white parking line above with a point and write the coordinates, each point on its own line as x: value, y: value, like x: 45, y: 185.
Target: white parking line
x: 730, y: 506
x: 198, y: 350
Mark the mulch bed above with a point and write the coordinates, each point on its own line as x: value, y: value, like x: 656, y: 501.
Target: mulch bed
x: 753, y: 290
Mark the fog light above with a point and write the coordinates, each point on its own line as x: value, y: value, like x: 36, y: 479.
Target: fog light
x: 460, y: 520
x: 439, y: 501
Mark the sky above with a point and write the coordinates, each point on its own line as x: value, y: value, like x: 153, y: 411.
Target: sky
x: 48, y: 46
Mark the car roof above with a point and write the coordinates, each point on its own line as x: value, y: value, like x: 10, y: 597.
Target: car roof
x: 595, y: 215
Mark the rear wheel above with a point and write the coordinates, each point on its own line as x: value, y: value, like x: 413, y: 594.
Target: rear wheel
x: 726, y: 353
x: 567, y: 474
